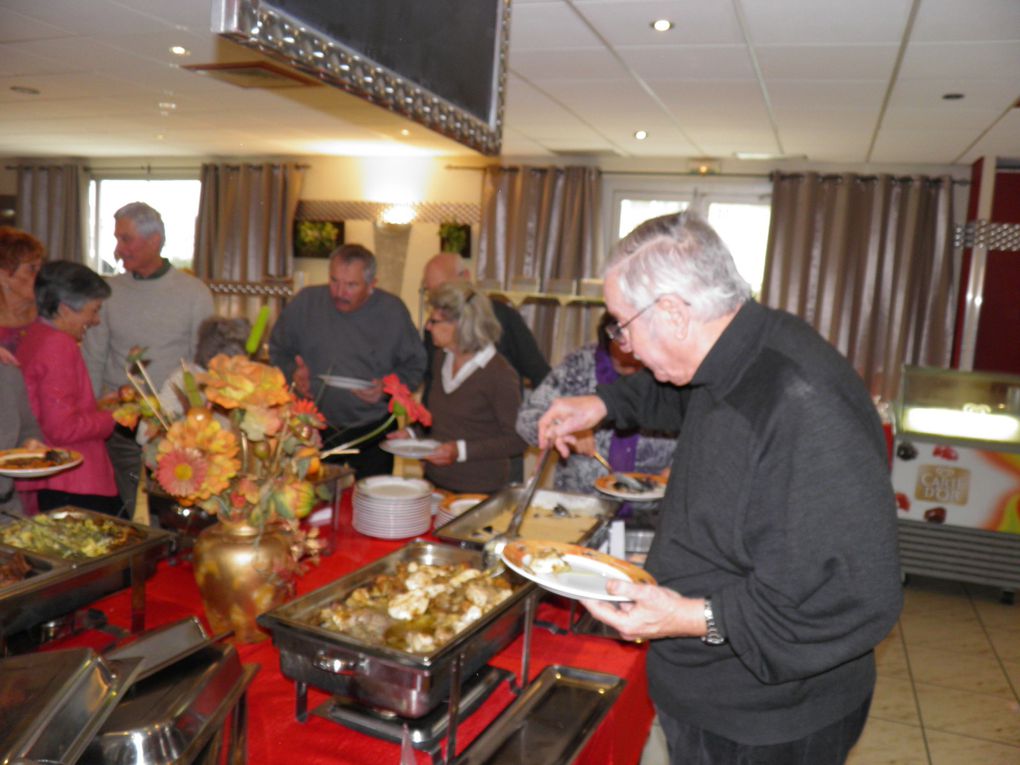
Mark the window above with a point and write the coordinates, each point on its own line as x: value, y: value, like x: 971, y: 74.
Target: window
x: 176, y: 201
x: 738, y: 209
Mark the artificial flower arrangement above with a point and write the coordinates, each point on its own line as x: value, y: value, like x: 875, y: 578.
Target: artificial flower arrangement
x: 245, y: 448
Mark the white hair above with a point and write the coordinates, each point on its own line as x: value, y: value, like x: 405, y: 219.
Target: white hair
x: 678, y: 254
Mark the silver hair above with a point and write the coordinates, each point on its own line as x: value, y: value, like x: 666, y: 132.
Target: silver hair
x: 471, y: 311
x: 147, y: 220
x: 217, y: 335
x: 356, y: 253
x: 678, y: 254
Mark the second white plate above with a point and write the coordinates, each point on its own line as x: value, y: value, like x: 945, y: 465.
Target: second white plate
x: 347, y: 383
x: 410, y: 448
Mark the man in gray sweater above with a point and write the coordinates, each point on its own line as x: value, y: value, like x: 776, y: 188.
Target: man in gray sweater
x: 337, y: 342
x: 153, y: 306
x: 775, y: 555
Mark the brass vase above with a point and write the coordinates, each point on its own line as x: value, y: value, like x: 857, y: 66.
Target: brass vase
x: 241, y: 572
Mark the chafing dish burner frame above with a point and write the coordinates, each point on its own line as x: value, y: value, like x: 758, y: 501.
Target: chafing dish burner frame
x: 407, y: 684
x: 62, y: 585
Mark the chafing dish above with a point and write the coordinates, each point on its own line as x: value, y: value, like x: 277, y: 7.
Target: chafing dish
x: 473, y: 527
x: 51, y: 704
x: 178, y: 707
x: 550, y: 722
x: 406, y: 684
x: 58, y: 586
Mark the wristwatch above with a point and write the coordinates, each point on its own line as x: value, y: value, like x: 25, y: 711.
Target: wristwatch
x: 712, y: 635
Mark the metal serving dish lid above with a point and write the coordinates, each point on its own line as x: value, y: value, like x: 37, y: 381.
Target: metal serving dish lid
x: 474, y: 528
x: 53, y: 703
x: 170, y: 716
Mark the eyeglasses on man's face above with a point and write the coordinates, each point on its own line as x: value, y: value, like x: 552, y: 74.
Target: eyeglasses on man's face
x: 615, y: 330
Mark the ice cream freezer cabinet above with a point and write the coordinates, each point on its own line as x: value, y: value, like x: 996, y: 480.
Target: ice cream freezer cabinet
x: 956, y: 474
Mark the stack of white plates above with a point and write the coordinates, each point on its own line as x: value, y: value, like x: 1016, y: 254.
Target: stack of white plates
x: 456, y: 504
x: 390, y: 507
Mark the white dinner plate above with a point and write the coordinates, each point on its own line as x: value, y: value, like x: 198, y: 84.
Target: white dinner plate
x: 70, y: 459
x: 347, y: 383
x: 605, y: 484
x: 588, y: 572
x: 410, y: 448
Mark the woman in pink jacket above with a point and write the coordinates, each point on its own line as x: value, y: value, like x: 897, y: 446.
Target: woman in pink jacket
x: 68, y: 296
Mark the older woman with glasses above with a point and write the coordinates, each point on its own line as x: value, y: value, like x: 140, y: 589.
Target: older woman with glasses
x: 21, y: 254
x: 68, y: 297
x: 474, y: 396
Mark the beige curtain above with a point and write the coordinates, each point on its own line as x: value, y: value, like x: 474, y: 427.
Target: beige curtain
x: 51, y: 201
x: 244, y: 231
x: 540, y: 232
x: 868, y: 262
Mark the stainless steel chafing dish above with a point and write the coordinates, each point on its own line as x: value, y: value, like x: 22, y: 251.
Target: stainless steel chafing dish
x: 58, y: 586
x: 406, y: 684
x: 473, y: 528
x: 51, y: 704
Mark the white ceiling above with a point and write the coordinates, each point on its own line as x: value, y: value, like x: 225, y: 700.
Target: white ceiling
x: 829, y: 80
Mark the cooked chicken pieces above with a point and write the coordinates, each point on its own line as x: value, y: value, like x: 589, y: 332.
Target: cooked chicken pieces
x: 418, y: 608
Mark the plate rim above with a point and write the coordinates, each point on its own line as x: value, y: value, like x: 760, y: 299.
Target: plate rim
x: 358, y: 383
x: 635, y: 574
x: 386, y: 446
x: 642, y: 497
x: 28, y: 473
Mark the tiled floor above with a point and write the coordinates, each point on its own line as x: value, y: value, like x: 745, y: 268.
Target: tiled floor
x: 948, y: 688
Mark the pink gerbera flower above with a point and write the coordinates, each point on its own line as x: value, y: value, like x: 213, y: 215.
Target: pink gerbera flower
x: 182, y: 472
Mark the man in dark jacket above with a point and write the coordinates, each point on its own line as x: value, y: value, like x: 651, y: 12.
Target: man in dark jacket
x: 776, y: 555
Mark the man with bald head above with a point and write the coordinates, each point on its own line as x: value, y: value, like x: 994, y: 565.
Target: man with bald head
x: 516, y: 342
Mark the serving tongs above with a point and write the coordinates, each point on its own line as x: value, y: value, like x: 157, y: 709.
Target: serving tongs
x: 629, y: 481
x: 494, y: 547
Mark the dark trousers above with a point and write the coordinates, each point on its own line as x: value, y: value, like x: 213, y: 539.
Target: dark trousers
x: 126, y: 456
x: 371, y: 460
x: 51, y: 499
x: 830, y: 745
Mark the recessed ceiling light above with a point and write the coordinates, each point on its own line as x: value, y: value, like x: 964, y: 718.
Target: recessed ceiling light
x: 405, y: 132
x: 640, y: 134
x: 662, y: 25
x: 952, y: 96
x: 167, y: 106
x: 25, y: 90
x: 179, y: 50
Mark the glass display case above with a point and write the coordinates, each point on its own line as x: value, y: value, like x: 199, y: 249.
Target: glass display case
x: 950, y: 404
x: 956, y: 474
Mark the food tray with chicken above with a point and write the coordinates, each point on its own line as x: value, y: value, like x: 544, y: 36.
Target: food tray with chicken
x: 389, y: 634
x: 96, y: 556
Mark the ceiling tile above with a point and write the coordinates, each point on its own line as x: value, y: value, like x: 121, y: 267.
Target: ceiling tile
x: 579, y: 64
x: 628, y: 22
x: 16, y: 27
x: 825, y: 22
x: 85, y: 18
x: 846, y: 95
x: 1000, y: 140
x: 979, y: 20
x: 962, y: 60
x: 827, y: 62
x: 690, y: 62
x: 548, y: 26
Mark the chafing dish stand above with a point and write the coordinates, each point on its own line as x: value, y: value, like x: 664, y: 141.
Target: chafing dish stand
x: 426, y: 733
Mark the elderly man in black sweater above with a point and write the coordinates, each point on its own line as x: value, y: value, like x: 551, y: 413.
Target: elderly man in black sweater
x: 776, y: 551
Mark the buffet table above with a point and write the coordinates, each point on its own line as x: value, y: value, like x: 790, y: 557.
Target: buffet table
x: 275, y: 736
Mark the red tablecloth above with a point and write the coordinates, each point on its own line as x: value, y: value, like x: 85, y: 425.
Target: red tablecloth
x: 275, y: 736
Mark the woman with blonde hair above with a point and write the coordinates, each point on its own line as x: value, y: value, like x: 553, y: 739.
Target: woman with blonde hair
x: 21, y: 255
x: 474, y: 395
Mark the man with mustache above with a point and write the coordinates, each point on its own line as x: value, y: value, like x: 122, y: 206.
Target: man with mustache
x: 349, y: 328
